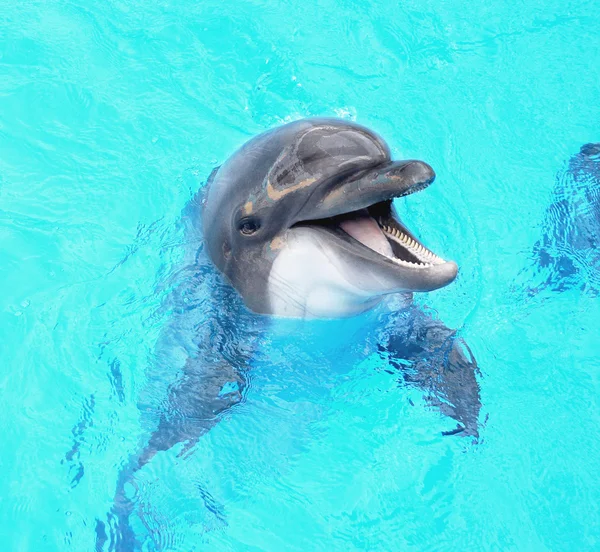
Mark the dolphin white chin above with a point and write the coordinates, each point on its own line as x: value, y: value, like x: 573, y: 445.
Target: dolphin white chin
x: 344, y: 265
x: 310, y: 280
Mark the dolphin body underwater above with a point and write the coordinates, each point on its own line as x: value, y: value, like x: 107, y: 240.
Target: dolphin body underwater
x: 300, y: 223
x: 567, y: 255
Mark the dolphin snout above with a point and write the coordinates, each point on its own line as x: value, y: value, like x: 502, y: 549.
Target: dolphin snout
x: 368, y: 187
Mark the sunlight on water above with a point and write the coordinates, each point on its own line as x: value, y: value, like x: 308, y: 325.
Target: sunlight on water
x: 112, y: 115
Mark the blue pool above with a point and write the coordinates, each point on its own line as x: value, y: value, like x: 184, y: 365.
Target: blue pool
x: 112, y: 116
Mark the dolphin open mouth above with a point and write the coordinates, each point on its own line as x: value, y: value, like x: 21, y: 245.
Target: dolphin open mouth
x: 378, y: 229
x: 364, y: 223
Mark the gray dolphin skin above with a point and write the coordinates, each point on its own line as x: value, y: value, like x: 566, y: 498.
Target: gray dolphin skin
x: 568, y: 255
x: 300, y: 221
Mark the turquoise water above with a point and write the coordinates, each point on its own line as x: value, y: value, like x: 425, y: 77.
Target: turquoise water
x: 113, y: 114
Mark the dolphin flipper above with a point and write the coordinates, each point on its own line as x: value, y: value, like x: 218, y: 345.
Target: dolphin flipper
x: 195, y: 402
x: 210, y: 383
x: 203, y: 392
x: 436, y: 360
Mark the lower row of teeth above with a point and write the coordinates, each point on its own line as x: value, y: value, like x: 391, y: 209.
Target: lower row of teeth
x: 426, y: 257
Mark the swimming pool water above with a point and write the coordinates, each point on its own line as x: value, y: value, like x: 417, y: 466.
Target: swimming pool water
x: 113, y: 114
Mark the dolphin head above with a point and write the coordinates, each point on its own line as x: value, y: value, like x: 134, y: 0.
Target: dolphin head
x: 301, y: 222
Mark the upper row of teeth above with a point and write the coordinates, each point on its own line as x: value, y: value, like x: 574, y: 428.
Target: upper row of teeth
x: 427, y: 258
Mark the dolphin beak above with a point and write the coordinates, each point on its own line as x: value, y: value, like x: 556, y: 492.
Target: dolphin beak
x: 381, y: 183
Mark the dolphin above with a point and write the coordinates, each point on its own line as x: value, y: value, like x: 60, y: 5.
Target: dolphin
x: 567, y: 255
x: 300, y: 220
x: 299, y: 223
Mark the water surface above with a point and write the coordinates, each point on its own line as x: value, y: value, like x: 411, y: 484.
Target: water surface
x: 111, y: 117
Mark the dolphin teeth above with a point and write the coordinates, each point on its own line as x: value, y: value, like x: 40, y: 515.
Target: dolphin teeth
x: 411, y: 264
x: 426, y: 258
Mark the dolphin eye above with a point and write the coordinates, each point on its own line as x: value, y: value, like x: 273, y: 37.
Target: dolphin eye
x: 249, y: 226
